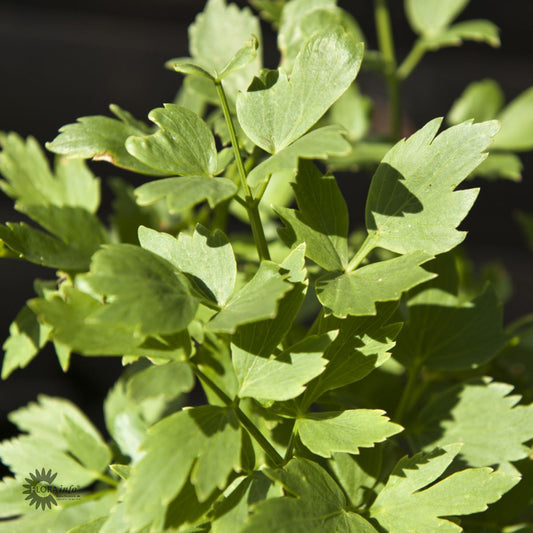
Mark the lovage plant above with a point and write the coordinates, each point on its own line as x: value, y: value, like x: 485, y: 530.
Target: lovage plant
x: 295, y: 377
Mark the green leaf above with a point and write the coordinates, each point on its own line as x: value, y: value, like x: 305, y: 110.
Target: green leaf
x: 301, y: 19
x: 68, y: 314
x: 206, y: 439
x: 504, y: 165
x: 319, y: 504
x: 352, y: 111
x: 184, y: 193
x: 481, y: 100
x: 356, y: 293
x: 75, y: 450
x: 448, y: 335
x: 345, y: 431
x: 231, y: 512
x: 516, y: 124
x: 64, y: 517
x: 12, y: 500
x: 182, y: 145
x: 469, y: 30
x: 296, y: 105
x: 322, y: 219
x: 474, y: 413
x: 430, y: 17
x: 261, y: 338
x: 30, y: 181
x: 362, y: 344
x: 281, y: 377
x: 216, y: 42
x: 75, y: 235
x: 186, y: 65
x: 26, y: 337
x: 102, y: 139
x: 169, y: 380
x: 146, y: 291
x: 317, y: 144
x: 405, y: 504
x: 206, y: 258
x: 257, y: 300
x: 242, y: 58
x: 412, y: 204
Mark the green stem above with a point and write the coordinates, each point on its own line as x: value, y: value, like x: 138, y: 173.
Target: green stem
x: 252, y: 429
x: 365, y: 248
x: 411, y: 61
x: 406, y: 399
x: 386, y: 46
x: 107, y: 479
x: 251, y: 204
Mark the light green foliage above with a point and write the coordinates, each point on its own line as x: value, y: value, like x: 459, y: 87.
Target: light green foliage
x: 30, y: 181
x: 217, y: 35
x: 205, y: 438
x: 322, y: 219
x: 102, y: 139
x: 295, y: 105
x: 344, y: 431
x: 357, y: 292
x: 316, y: 503
x: 183, y: 144
x: 412, y: 204
x: 473, y: 413
x: 257, y: 300
x: 184, y: 193
x: 281, y: 377
x: 406, y: 503
x: 148, y: 293
x: 278, y: 359
x: 75, y: 450
x: 207, y: 259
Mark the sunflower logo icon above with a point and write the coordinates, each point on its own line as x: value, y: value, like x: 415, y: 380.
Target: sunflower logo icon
x: 39, y: 489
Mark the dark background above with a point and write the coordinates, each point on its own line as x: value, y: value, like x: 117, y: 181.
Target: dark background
x: 60, y: 60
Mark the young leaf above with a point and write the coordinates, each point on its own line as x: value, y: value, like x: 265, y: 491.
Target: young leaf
x: 481, y: 100
x: 314, y: 503
x: 473, y: 413
x: 30, y: 181
x: 281, y: 377
x: 102, y: 139
x: 183, y: 193
x: 257, y: 300
x: 242, y: 58
x: 449, y: 336
x: 356, y: 293
x: 430, y: 17
x: 216, y: 43
x: 295, y: 105
x: 470, y: 30
x: 411, y: 203
x: 301, y: 19
x: 206, y: 439
x: 344, y: 431
x: 516, y: 124
x: 405, y: 504
x: 75, y: 450
x: 322, y: 219
x: 182, y: 145
x: 26, y: 337
x: 147, y: 292
x: 207, y: 259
